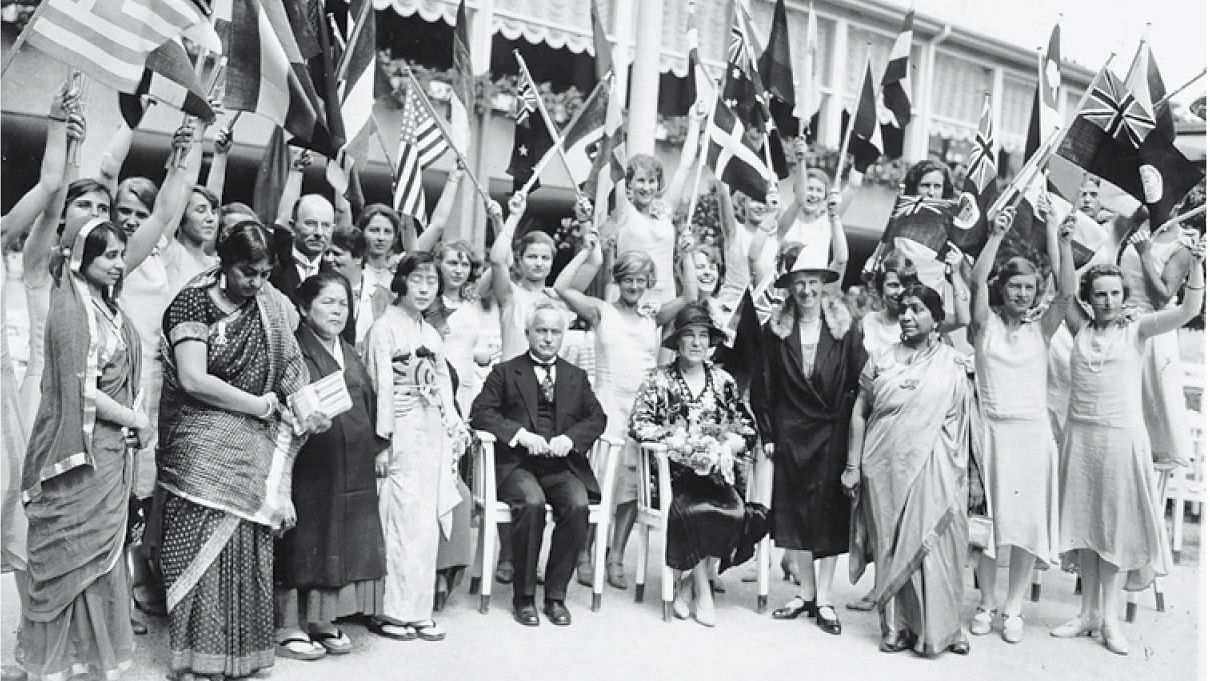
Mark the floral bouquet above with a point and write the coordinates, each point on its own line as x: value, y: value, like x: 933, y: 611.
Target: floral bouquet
x: 706, y: 448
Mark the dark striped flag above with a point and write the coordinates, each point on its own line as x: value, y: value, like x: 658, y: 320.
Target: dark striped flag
x: 111, y: 40
x: 421, y: 143
x: 463, y: 99
x: 895, y: 87
x: 776, y: 71
x: 865, y: 141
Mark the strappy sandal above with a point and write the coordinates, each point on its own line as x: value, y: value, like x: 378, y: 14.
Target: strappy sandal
x: 300, y: 647
x: 399, y: 632
x: 335, y: 643
x: 427, y: 630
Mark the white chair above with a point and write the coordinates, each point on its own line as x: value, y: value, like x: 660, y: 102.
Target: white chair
x: 762, y: 488
x: 490, y: 512
x: 655, y: 517
x: 1187, y: 486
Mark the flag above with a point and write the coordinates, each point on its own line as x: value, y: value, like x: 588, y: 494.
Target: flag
x: 271, y: 177
x: 1049, y: 80
x: 895, y: 81
x: 776, y: 72
x: 169, y: 77
x: 745, y: 93
x: 968, y: 231
x: 323, y: 71
x: 742, y: 358
x: 1165, y: 173
x: 919, y: 228
x: 111, y: 40
x: 357, y: 90
x: 531, y: 139
x: 807, y: 97
x: 266, y: 72
x: 421, y: 143
x: 731, y: 160
x: 697, y: 85
x: 585, y: 136
x: 463, y: 99
x: 602, y: 54
x: 865, y: 141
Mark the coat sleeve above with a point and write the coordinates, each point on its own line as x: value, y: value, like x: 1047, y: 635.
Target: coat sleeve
x: 591, y: 422
x: 487, y: 411
x: 764, y: 382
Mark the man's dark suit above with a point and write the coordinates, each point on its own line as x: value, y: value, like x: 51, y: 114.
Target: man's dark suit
x: 509, y: 402
x: 285, y: 276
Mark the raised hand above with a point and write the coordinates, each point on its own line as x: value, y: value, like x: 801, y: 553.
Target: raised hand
x: 223, y: 140
x: 583, y: 209
x: 1198, y: 251
x: 516, y: 203
x: 1003, y: 221
x: 1067, y: 230
x: 800, y: 148
x: 833, y: 204
x: 77, y: 127
x: 494, y: 211
x: 302, y: 160
x: 1141, y: 240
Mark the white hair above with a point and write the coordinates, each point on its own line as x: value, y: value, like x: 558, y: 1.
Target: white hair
x: 544, y: 306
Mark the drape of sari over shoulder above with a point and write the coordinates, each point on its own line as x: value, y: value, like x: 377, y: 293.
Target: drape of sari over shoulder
x: 217, y: 458
x: 914, y: 479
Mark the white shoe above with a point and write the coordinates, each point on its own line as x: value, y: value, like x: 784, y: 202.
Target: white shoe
x: 1013, y: 629
x: 981, y: 623
x: 1114, y: 640
x: 680, y: 603
x: 1076, y: 626
x: 705, y: 615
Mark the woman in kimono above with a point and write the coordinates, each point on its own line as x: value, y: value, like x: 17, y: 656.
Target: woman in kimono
x: 908, y: 452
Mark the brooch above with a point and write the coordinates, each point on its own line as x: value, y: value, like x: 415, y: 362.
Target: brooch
x: 909, y: 383
x: 220, y: 334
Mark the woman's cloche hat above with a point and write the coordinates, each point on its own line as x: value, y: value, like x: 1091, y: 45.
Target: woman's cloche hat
x: 694, y: 314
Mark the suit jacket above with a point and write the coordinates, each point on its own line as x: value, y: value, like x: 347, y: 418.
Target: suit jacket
x: 509, y: 402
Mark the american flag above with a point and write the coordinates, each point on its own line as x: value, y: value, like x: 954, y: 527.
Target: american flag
x: 421, y: 143
x: 109, y: 40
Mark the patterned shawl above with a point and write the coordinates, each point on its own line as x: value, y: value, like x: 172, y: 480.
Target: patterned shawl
x: 229, y: 461
x: 61, y: 438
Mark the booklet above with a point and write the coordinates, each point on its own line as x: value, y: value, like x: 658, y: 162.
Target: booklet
x: 328, y: 395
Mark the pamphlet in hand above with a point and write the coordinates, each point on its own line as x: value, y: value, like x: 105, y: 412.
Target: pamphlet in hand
x: 328, y: 396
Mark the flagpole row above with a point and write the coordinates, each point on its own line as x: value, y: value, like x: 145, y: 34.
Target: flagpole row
x: 342, y: 69
x: 424, y: 99
x: 550, y: 125
x: 180, y: 156
x: 1164, y: 100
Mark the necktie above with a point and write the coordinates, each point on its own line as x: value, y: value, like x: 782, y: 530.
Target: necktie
x: 308, y: 267
x: 548, y: 383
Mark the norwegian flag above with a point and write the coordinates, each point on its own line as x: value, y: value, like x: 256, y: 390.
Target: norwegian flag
x: 421, y: 143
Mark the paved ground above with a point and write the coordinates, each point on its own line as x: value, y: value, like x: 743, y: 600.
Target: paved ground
x: 628, y: 640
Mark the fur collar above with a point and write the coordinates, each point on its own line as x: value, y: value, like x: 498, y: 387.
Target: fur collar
x: 835, y: 314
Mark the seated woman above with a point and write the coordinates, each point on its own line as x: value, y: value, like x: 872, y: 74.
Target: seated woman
x: 708, y: 520
x: 332, y: 563
x: 908, y: 450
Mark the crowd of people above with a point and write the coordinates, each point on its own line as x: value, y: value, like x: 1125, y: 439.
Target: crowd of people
x: 160, y: 450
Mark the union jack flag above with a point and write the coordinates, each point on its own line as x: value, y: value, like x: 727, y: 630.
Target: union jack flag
x: 911, y: 205
x: 981, y: 164
x: 527, y: 101
x: 1114, y: 109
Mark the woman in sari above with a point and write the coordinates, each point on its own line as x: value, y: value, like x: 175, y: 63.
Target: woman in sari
x: 908, y: 452
x: 227, y: 448
x: 77, y: 474
x: 708, y: 521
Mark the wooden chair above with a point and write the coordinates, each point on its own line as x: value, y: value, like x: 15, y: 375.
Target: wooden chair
x: 490, y: 512
x: 655, y: 517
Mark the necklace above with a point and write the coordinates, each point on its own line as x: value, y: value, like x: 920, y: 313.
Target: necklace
x: 1099, y: 348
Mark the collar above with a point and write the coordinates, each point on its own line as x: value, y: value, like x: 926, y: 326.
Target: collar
x: 539, y: 363
x: 303, y: 260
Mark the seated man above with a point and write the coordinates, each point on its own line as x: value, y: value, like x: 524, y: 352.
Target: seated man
x: 545, y: 418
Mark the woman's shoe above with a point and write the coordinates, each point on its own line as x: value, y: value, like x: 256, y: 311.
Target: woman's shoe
x: 615, y: 574
x: 894, y: 643
x: 299, y: 646
x: 825, y: 617
x: 863, y: 604
x: 1013, y: 628
x: 1076, y: 626
x: 680, y: 604
x: 428, y: 630
x: 981, y: 623
x: 960, y: 647
x: 797, y: 606
x: 137, y: 627
x: 335, y: 643
x: 584, y: 573
x: 399, y: 632
x: 703, y: 612
x: 1114, y: 640
x: 789, y: 572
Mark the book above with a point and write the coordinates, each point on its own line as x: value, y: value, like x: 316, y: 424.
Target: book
x: 328, y: 395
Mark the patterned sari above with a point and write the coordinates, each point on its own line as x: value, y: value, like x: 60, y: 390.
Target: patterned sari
x: 227, y: 478
x: 914, y: 478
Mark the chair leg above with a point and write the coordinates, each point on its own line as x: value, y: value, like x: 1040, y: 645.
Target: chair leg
x: 1079, y: 587
x: 640, y: 572
x: 1158, y: 586
x: 763, y: 549
x: 1035, y: 587
x: 487, y: 564
x: 1178, y: 520
x: 598, y: 561
x: 667, y: 587
x: 1132, y: 605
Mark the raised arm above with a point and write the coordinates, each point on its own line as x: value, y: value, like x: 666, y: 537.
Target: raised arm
x: 1164, y: 321
x: 955, y: 261
x: 689, y: 289
x: 575, y: 276
x: 115, y: 155
x: 1161, y: 280
x: 292, y: 188
x: 840, y: 242
x: 799, y: 171
x: 442, y: 212
x: 582, y: 268
x: 217, y: 177
x: 979, y: 305
x: 171, y: 200
x: 501, y: 254
x: 1065, y: 278
x: 60, y: 127
x: 682, y: 178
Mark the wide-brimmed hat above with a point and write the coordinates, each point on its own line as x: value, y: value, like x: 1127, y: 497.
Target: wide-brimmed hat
x: 813, y: 260
x: 694, y: 314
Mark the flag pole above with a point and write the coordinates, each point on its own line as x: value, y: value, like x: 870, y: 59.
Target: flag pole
x: 812, y: 52
x: 20, y: 41
x: 558, y: 142
x: 342, y: 69
x: 1164, y: 100
x: 844, y: 142
x: 1181, y: 218
x: 703, y: 146
x: 424, y: 98
x: 550, y: 125
x: 73, y: 145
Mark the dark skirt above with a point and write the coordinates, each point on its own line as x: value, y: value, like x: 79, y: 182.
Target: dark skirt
x: 224, y: 623
x: 708, y: 518
x: 810, y: 509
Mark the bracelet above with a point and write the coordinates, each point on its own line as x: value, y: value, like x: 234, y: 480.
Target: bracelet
x: 1195, y: 288
x: 57, y: 119
x: 268, y: 412
x: 851, y: 467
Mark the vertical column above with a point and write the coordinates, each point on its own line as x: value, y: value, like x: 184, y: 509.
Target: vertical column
x: 998, y: 105
x: 473, y: 223
x: 922, y: 114
x: 645, y: 80
x: 623, y: 42
x: 829, y: 124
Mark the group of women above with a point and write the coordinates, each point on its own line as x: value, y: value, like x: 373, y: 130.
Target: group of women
x: 168, y: 381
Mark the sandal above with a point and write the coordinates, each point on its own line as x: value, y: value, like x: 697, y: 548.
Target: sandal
x: 335, y: 643
x: 300, y: 647
x: 427, y: 630
x: 399, y: 632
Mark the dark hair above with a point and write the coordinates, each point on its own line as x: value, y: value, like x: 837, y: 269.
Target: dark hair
x: 1195, y: 198
x: 375, y: 209
x: 95, y: 244
x: 1096, y: 272
x: 350, y: 239
x: 83, y: 186
x: 926, y: 295
x: 142, y: 188
x: 898, y: 264
x: 911, y: 181
x: 246, y: 242
x: 410, y: 263
x: 312, y: 286
x: 1016, y: 266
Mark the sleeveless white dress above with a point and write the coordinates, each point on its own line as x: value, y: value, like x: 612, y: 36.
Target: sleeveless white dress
x: 626, y: 348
